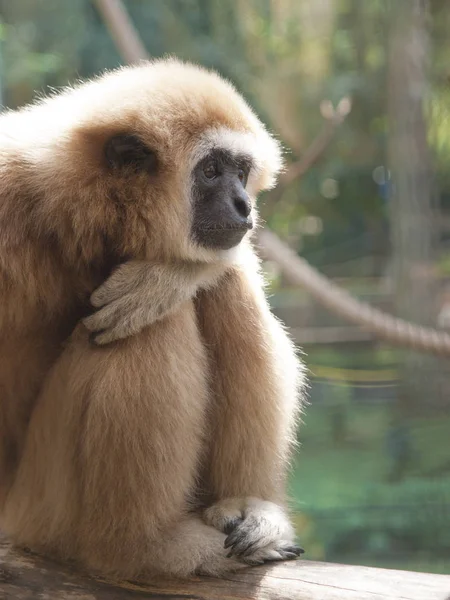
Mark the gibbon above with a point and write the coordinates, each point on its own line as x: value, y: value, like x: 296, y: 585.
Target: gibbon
x: 153, y: 435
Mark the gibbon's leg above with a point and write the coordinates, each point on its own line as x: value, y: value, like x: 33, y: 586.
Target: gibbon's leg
x: 257, y: 383
x: 112, y: 453
x: 25, y: 360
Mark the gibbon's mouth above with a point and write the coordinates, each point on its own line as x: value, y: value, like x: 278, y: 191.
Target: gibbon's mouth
x: 241, y: 227
x: 223, y: 237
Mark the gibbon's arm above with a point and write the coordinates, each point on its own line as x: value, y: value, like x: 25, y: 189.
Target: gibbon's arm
x: 138, y: 293
x: 257, y: 383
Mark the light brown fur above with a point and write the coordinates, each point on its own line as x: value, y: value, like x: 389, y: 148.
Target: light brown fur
x: 106, y: 454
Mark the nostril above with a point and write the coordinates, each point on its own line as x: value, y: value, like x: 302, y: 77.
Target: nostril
x: 243, y: 207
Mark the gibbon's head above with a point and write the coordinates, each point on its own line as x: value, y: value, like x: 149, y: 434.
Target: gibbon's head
x: 162, y: 160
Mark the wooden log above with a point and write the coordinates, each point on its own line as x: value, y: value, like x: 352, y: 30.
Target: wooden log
x: 26, y: 576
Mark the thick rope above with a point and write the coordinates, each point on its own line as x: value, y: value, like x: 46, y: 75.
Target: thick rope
x: 385, y: 326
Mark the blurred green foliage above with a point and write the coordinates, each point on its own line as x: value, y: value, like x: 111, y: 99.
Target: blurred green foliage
x: 351, y: 508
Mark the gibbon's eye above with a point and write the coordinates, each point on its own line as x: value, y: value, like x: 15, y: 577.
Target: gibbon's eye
x: 128, y: 150
x: 210, y: 169
x: 243, y: 176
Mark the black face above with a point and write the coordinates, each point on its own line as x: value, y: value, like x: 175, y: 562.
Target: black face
x: 221, y: 205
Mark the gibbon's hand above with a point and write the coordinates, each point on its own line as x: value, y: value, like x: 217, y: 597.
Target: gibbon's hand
x: 258, y: 531
x: 137, y: 294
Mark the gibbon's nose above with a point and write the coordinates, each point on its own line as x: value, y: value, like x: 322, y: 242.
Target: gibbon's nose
x: 242, y: 205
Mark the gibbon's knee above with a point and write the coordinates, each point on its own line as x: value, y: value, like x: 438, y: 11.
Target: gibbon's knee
x: 113, y: 446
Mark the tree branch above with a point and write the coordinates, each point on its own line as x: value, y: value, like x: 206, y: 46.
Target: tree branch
x: 122, y: 30
x: 333, y: 118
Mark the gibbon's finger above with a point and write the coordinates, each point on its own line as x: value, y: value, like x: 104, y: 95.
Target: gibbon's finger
x: 249, y: 532
x: 125, y: 327
x: 123, y: 320
x: 276, y: 551
x: 263, y: 556
x: 100, y: 296
x: 289, y: 555
x: 251, y: 548
x: 103, y: 318
x: 265, y: 523
x: 255, y: 532
x: 255, y: 562
x: 230, y: 524
x: 245, y: 547
x: 128, y: 279
x: 289, y: 551
x: 92, y: 337
x: 225, y: 515
x: 294, y: 549
x: 112, y: 289
x: 107, y: 337
x: 231, y: 539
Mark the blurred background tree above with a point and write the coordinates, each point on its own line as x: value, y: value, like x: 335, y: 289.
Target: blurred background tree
x: 371, y: 483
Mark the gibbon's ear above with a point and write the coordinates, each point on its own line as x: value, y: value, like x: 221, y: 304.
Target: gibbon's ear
x: 128, y: 150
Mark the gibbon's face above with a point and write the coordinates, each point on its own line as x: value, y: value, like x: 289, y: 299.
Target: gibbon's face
x: 165, y: 161
x: 221, y: 205
x: 220, y: 190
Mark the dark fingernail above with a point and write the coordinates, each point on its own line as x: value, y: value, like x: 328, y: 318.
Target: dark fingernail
x: 231, y: 539
x: 249, y: 548
x: 294, y: 549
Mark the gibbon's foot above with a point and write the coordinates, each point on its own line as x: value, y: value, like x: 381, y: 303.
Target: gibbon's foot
x: 257, y: 530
